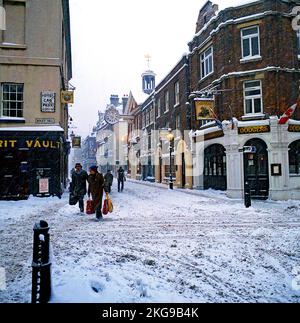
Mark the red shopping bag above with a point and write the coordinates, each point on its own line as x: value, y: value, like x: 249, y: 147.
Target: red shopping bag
x: 105, y: 208
x: 90, y: 208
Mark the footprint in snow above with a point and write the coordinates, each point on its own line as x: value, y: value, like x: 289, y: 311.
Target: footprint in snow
x: 97, y: 287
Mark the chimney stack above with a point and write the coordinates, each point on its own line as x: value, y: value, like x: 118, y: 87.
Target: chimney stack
x: 114, y: 100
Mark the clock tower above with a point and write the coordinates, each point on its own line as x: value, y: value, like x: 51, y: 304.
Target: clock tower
x: 148, y: 78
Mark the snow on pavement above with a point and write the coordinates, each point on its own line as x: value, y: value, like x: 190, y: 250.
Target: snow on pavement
x: 157, y: 246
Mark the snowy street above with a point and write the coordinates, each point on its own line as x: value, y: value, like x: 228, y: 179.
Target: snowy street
x: 157, y: 246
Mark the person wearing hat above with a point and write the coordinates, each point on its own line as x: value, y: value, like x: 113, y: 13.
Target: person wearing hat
x: 78, y: 185
x: 96, y: 185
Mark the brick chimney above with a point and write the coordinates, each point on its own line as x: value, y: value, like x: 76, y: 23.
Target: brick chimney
x: 208, y: 11
x: 125, y: 101
x: 114, y: 100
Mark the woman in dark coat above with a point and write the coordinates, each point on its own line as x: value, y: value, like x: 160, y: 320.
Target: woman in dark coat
x: 96, y: 184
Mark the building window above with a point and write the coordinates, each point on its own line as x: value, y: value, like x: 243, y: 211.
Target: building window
x: 177, y: 93
x: 178, y: 122
x: 12, y: 100
x: 152, y: 115
x: 294, y: 158
x: 158, y: 108
x: 250, y: 42
x: 298, y: 42
x: 15, y: 22
x: 253, y: 97
x: 167, y: 101
x: 207, y: 64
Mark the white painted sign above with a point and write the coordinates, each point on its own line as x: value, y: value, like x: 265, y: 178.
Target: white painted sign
x: 44, y: 185
x: 48, y: 101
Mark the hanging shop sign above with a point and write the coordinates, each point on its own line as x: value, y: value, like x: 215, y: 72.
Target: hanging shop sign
x: 44, y: 185
x: 76, y: 142
x: 67, y: 97
x: 204, y: 109
x: 294, y: 128
x: 48, y: 99
x: 254, y: 129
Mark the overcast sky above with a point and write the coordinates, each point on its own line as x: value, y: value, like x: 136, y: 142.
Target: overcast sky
x: 110, y: 39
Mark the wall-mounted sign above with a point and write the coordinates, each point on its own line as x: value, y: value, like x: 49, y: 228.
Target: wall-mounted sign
x: 45, y: 121
x: 213, y: 135
x: 294, y: 128
x: 254, y: 129
x: 276, y: 170
x: 250, y: 150
x: 48, y: 99
x: 44, y: 185
x: 76, y: 142
x: 29, y: 144
x: 67, y: 97
x: 204, y: 109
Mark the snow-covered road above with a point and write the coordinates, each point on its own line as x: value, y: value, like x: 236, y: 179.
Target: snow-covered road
x: 157, y: 246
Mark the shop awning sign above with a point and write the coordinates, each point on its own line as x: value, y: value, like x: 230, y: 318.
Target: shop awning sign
x: 48, y: 99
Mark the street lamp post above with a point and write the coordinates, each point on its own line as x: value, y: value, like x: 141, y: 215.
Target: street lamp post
x: 170, y: 137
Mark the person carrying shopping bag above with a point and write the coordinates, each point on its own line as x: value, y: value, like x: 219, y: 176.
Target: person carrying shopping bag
x: 96, y: 185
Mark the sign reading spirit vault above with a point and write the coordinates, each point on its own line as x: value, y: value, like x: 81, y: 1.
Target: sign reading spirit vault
x: 48, y: 101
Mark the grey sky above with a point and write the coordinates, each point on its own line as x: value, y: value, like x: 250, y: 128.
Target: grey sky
x: 110, y: 39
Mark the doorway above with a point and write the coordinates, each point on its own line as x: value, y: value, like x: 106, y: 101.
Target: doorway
x: 256, y: 168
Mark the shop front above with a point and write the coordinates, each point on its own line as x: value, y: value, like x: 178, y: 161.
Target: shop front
x: 32, y: 162
x: 263, y: 153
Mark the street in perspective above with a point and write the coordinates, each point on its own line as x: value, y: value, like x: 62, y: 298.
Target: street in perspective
x: 150, y: 153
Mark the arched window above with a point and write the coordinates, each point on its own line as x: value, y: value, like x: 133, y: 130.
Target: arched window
x: 215, y: 173
x: 294, y: 158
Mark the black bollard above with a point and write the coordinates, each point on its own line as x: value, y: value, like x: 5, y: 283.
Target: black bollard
x: 41, y: 264
x: 247, y: 195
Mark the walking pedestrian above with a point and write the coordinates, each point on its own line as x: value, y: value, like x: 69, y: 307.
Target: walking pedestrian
x: 108, y: 181
x: 121, y: 179
x: 96, y: 185
x: 78, y: 185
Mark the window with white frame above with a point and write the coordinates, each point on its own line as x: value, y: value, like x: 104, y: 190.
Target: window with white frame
x: 158, y: 107
x: 253, y: 97
x: 152, y: 115
x: 298, y: 42
x: 12, y: 100
x: 147, y: 117
x: 178, y: 121
x: 15, y: 22
x: 207, y: 62
x: 167, y: 101
x: 177, y: 93
x: 250, y: 42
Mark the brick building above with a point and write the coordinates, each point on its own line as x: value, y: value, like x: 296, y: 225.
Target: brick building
x: 228, y: 93
x: 244, y: 61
